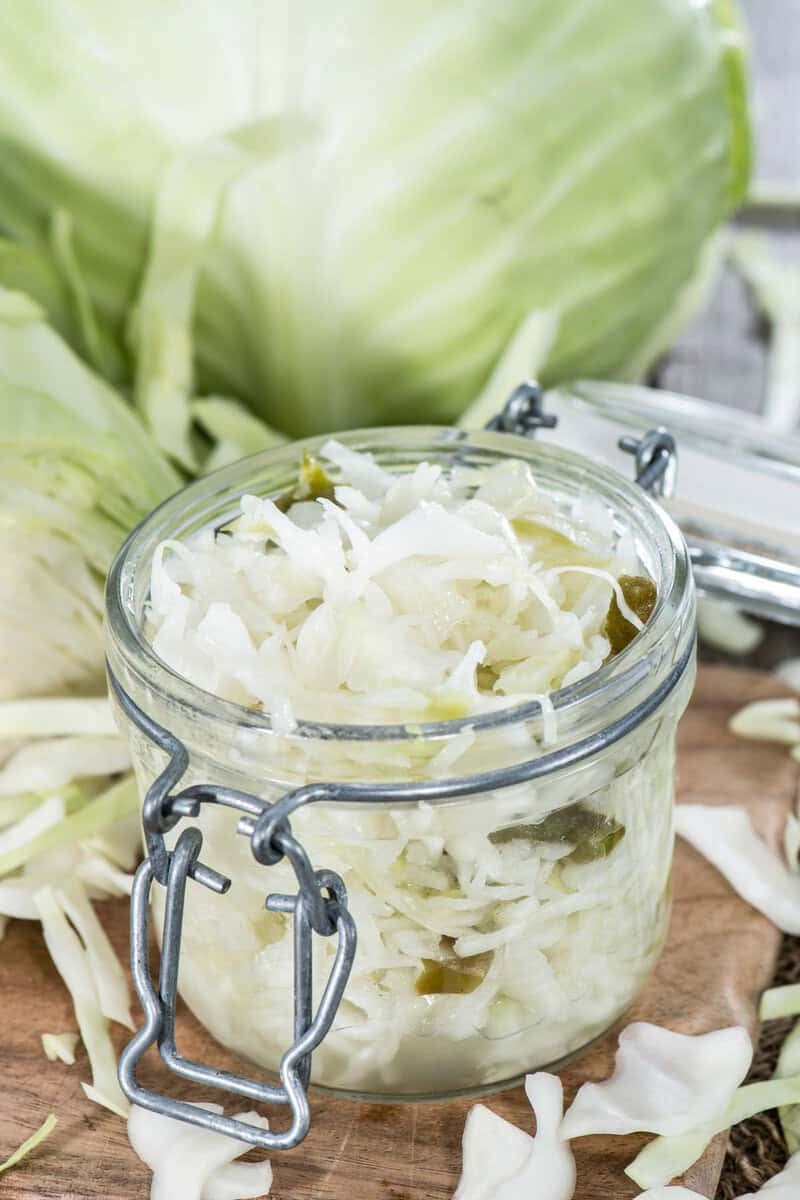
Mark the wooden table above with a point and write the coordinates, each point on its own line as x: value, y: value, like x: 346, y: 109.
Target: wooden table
x: 719, y: 956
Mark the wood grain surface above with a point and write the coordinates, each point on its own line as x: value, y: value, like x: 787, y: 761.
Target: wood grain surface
x: 720, y: 955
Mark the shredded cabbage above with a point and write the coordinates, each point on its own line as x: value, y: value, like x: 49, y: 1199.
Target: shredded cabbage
x: 414, y: 597
x: 504, y: 930
x: 112, y: 1103
x: 56, y: 717
x: 75, y: 967
x: 42, y: 766
x: 791, y: 843
x: 60, y: 1046
x: 77, y: 471
x: 29, y: 828
x: 44, y: 1130
x: 60, y: 847
x: 116, y: 802
x: 110, y: 979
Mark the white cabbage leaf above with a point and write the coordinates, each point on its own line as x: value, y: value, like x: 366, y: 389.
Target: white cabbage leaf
x: 153, y: 1138
x: 769, y: 720
x: 667, y: 1157
x: 725, y: 836
x: 195, y: 1163
x: 502, y: 1162
x: 663, y: 1082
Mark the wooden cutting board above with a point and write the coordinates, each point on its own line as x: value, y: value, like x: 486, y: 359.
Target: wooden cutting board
x: 719, y: 956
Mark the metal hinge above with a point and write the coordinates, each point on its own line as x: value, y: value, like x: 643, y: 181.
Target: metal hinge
x: 523, y: 413
x: 656, y: 460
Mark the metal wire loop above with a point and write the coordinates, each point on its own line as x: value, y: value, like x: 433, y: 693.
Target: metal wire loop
x: 159, y: 1004
x: 523, y: 413
x: 656, y: 455
x: 320, y: 905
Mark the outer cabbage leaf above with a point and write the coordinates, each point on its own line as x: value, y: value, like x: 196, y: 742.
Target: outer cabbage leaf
x: 77, y: 471
x: 416, y: 181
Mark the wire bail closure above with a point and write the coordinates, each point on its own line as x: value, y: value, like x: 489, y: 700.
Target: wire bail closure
x: 319, y: 906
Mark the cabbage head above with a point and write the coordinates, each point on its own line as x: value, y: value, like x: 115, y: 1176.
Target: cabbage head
x: 344, y: 211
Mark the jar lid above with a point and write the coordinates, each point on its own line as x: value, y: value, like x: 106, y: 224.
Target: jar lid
x: 735, y: 493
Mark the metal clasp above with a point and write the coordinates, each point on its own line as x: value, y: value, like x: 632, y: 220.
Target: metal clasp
x: 523, y: 413
x: 319, y: 906
x: 656, y: 460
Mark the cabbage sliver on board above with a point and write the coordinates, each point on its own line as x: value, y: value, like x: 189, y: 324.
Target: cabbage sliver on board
x: 343, y: 213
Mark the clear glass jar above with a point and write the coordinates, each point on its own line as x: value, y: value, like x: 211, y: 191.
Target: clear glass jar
x: 501, y: 927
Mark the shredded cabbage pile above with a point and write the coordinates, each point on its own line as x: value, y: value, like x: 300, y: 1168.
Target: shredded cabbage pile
x: 423, y: 596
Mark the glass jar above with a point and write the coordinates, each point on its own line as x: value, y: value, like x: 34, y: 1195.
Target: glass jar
x: 509, y: 874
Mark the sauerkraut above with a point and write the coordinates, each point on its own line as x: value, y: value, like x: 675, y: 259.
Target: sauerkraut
x: 423, y: 596
x: 496, y: 933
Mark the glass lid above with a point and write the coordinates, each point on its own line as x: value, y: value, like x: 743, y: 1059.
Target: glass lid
x: 735, y: 493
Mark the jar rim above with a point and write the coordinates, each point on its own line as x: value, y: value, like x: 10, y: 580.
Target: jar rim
x: 207, y: 499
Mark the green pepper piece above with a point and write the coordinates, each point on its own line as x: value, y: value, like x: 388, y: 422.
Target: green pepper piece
x: 452, y: 976
x: 591, y: 834
x: 640, y: 594
x: 487, y: 677
x: 314, y: 483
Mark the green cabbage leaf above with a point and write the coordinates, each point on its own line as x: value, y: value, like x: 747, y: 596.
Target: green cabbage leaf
x: 343, y: 214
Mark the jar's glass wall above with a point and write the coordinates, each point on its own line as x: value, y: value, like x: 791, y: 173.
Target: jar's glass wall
x: 497, y: 933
